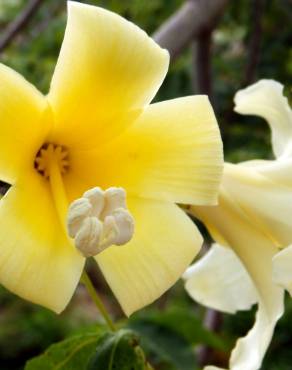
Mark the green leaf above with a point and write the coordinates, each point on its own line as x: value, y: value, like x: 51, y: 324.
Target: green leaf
x: 118, y: 351
x: 183, y: 322
x: 71, y: 354
x: 165, y: 348
x: 169, y: 336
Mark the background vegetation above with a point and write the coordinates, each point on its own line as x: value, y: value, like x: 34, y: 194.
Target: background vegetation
x: 26, y: 330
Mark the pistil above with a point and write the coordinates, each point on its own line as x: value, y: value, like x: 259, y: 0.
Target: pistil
x: 58, y: 191
x: 52, y: 161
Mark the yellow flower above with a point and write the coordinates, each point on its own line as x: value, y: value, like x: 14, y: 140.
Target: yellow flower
x: 96, y: 128
x: 253, y: 218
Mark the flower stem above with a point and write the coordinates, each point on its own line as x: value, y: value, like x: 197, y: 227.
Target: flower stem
x: 96, y: 299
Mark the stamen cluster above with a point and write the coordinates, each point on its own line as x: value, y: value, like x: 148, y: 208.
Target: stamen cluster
x: 100, y: 219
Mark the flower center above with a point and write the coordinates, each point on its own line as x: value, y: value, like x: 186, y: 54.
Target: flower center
x: 97, y: 220
x: 48, y: 153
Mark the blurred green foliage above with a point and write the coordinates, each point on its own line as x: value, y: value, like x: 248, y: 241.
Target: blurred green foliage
x: 169, y: 336
x: 72, y: 353
x: 26, y: 330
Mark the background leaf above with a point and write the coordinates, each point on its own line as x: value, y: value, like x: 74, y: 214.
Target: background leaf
x: 71, y: 354
x: 118, y: 351
x: 169, y: 337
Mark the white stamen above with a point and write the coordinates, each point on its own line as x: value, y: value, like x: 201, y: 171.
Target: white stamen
x: 110, y: 232
x: 114, y: 198
x: 96, y: 198
x: 100, y: 219
x: 78, y: 211
x: 87, y: 239
x: 125, y: 225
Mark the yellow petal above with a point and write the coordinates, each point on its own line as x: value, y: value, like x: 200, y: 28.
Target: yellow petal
x: 37, y: 262
x: 220, y: 281
x: 23, y: 124
x: 164, y: 243
x: 173, y: 152
x: 264, y: 193
x: 107, y: 69
x: 255, y: 250
x: 282, y: 269
x: 265, y: 99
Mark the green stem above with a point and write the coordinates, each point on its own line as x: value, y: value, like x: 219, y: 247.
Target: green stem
x: 96, y: 299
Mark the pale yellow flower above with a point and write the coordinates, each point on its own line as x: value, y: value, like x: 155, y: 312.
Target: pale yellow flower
x: 253, y: 218
x: 96, y: 128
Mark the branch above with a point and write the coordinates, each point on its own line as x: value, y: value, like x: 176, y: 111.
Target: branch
x: 187, y: 23
x: 202, y: 76
x: 212, y: 322
x: 19, y: 23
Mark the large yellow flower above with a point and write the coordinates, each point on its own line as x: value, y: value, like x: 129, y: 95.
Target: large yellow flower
x: 96, y: 128
x: 253, y: 218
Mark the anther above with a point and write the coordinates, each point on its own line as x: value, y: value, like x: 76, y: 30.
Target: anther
x: 99, y: 220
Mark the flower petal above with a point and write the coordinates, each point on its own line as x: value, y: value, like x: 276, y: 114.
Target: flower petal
x: 23, y: 123
x: 277, y: 171
x: 164, y: 243
x: 250, y: 350
x: 107, y: 71
x: 264, y: 194
x: 173, y: 152
x: 37, y: 262
x: 265, y: 99
x: 220, y: 281
x: 282, y: 271
x: 255, y: 250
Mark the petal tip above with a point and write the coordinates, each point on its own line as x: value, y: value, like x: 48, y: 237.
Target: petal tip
x: 241, y: 95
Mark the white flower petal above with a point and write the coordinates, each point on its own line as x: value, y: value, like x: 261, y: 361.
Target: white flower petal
x: 263, y: 191
x: 231, y: 224
x: 219, y: 280
x: 250, y: 350
x: 265, y: 99
x: 282, y: 269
